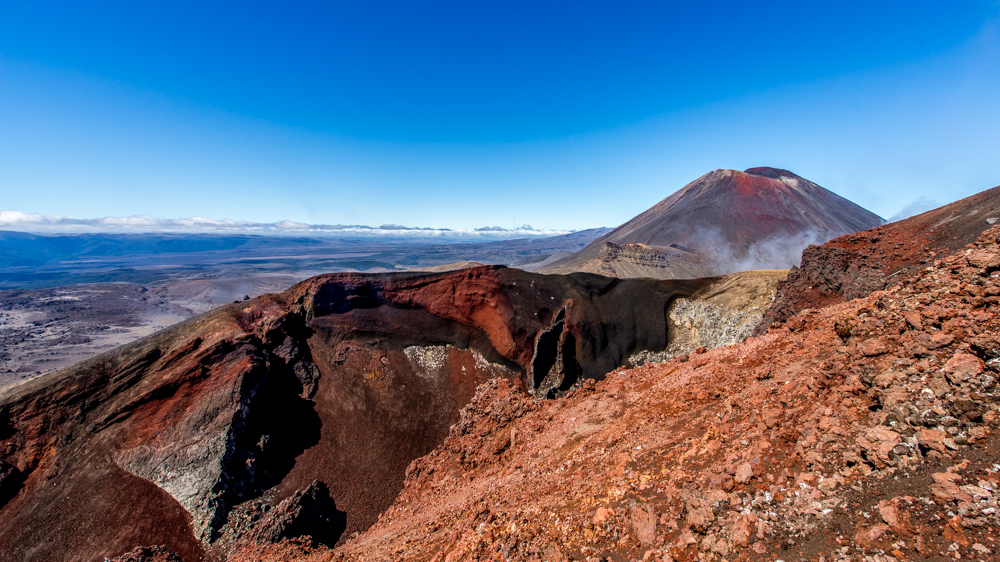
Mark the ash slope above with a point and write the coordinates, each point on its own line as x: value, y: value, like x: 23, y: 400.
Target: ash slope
x: 187, y: 437
x: 863, y: 430
x: 722, y: 222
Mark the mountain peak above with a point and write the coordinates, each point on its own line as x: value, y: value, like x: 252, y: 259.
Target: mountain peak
x: 761, y: 218
x: 767, y: 172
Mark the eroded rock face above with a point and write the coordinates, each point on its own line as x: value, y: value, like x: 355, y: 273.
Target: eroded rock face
x: 659, y: 262
x: 724, y: 312
x: 184, y: 436
x: 308, y: 512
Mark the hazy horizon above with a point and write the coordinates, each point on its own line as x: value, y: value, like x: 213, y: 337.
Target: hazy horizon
x: 17, y: 221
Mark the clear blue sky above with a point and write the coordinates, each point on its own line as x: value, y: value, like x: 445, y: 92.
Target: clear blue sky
x: 462, y: 114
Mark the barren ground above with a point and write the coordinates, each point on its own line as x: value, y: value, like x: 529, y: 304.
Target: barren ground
x: 46, y: 329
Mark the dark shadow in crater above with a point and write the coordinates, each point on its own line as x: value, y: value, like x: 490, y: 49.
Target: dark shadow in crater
x: 279, y: 425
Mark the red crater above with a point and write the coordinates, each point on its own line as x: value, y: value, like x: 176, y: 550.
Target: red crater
x: 319, y: 396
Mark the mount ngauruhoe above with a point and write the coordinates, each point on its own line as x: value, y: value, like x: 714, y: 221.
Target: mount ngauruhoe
x: 722, y: 222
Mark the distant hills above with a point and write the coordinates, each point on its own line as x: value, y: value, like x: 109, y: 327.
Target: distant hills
x: 724, y: 221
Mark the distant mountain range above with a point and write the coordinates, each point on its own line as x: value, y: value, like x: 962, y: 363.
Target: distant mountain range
x: 35, y: 222
x: 722, y: 222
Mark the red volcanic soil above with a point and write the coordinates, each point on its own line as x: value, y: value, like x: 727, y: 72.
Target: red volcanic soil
x: 725, y: 212
x: 240, y: 422
x: 857, y: 264
x: 861, y: 431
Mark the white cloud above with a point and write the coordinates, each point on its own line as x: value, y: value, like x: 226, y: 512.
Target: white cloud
x: 17, y: 218
x: 34, y: 222
x: 920, y: 205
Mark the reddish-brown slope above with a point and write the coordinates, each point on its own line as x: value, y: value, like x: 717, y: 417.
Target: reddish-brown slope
x: 857, y: 264
x: 865, y: 430
x: 724, y: 213
x: 186, y: 438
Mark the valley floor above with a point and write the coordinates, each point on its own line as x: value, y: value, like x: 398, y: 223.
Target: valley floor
x: 42, y: 330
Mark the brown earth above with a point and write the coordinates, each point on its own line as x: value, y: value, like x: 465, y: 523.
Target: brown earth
x: 862, y: 431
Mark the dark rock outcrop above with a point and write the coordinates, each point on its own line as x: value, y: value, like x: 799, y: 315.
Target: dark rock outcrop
x: 148, y: 554
x: 308, y: 512
x: 10, y: 482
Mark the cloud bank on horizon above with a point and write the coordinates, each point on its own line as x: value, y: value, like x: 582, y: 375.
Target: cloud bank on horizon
x: 59, y: 224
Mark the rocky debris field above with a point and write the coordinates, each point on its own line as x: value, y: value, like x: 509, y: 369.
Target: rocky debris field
x: 724, y: 313
x: 861, y: 431
x: 45, y: 329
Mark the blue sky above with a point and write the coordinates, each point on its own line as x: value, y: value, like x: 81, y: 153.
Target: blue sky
x: 561, y: 115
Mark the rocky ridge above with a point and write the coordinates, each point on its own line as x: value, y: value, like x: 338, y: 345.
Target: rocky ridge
x: 854, y: 265
x: 640, y: 260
